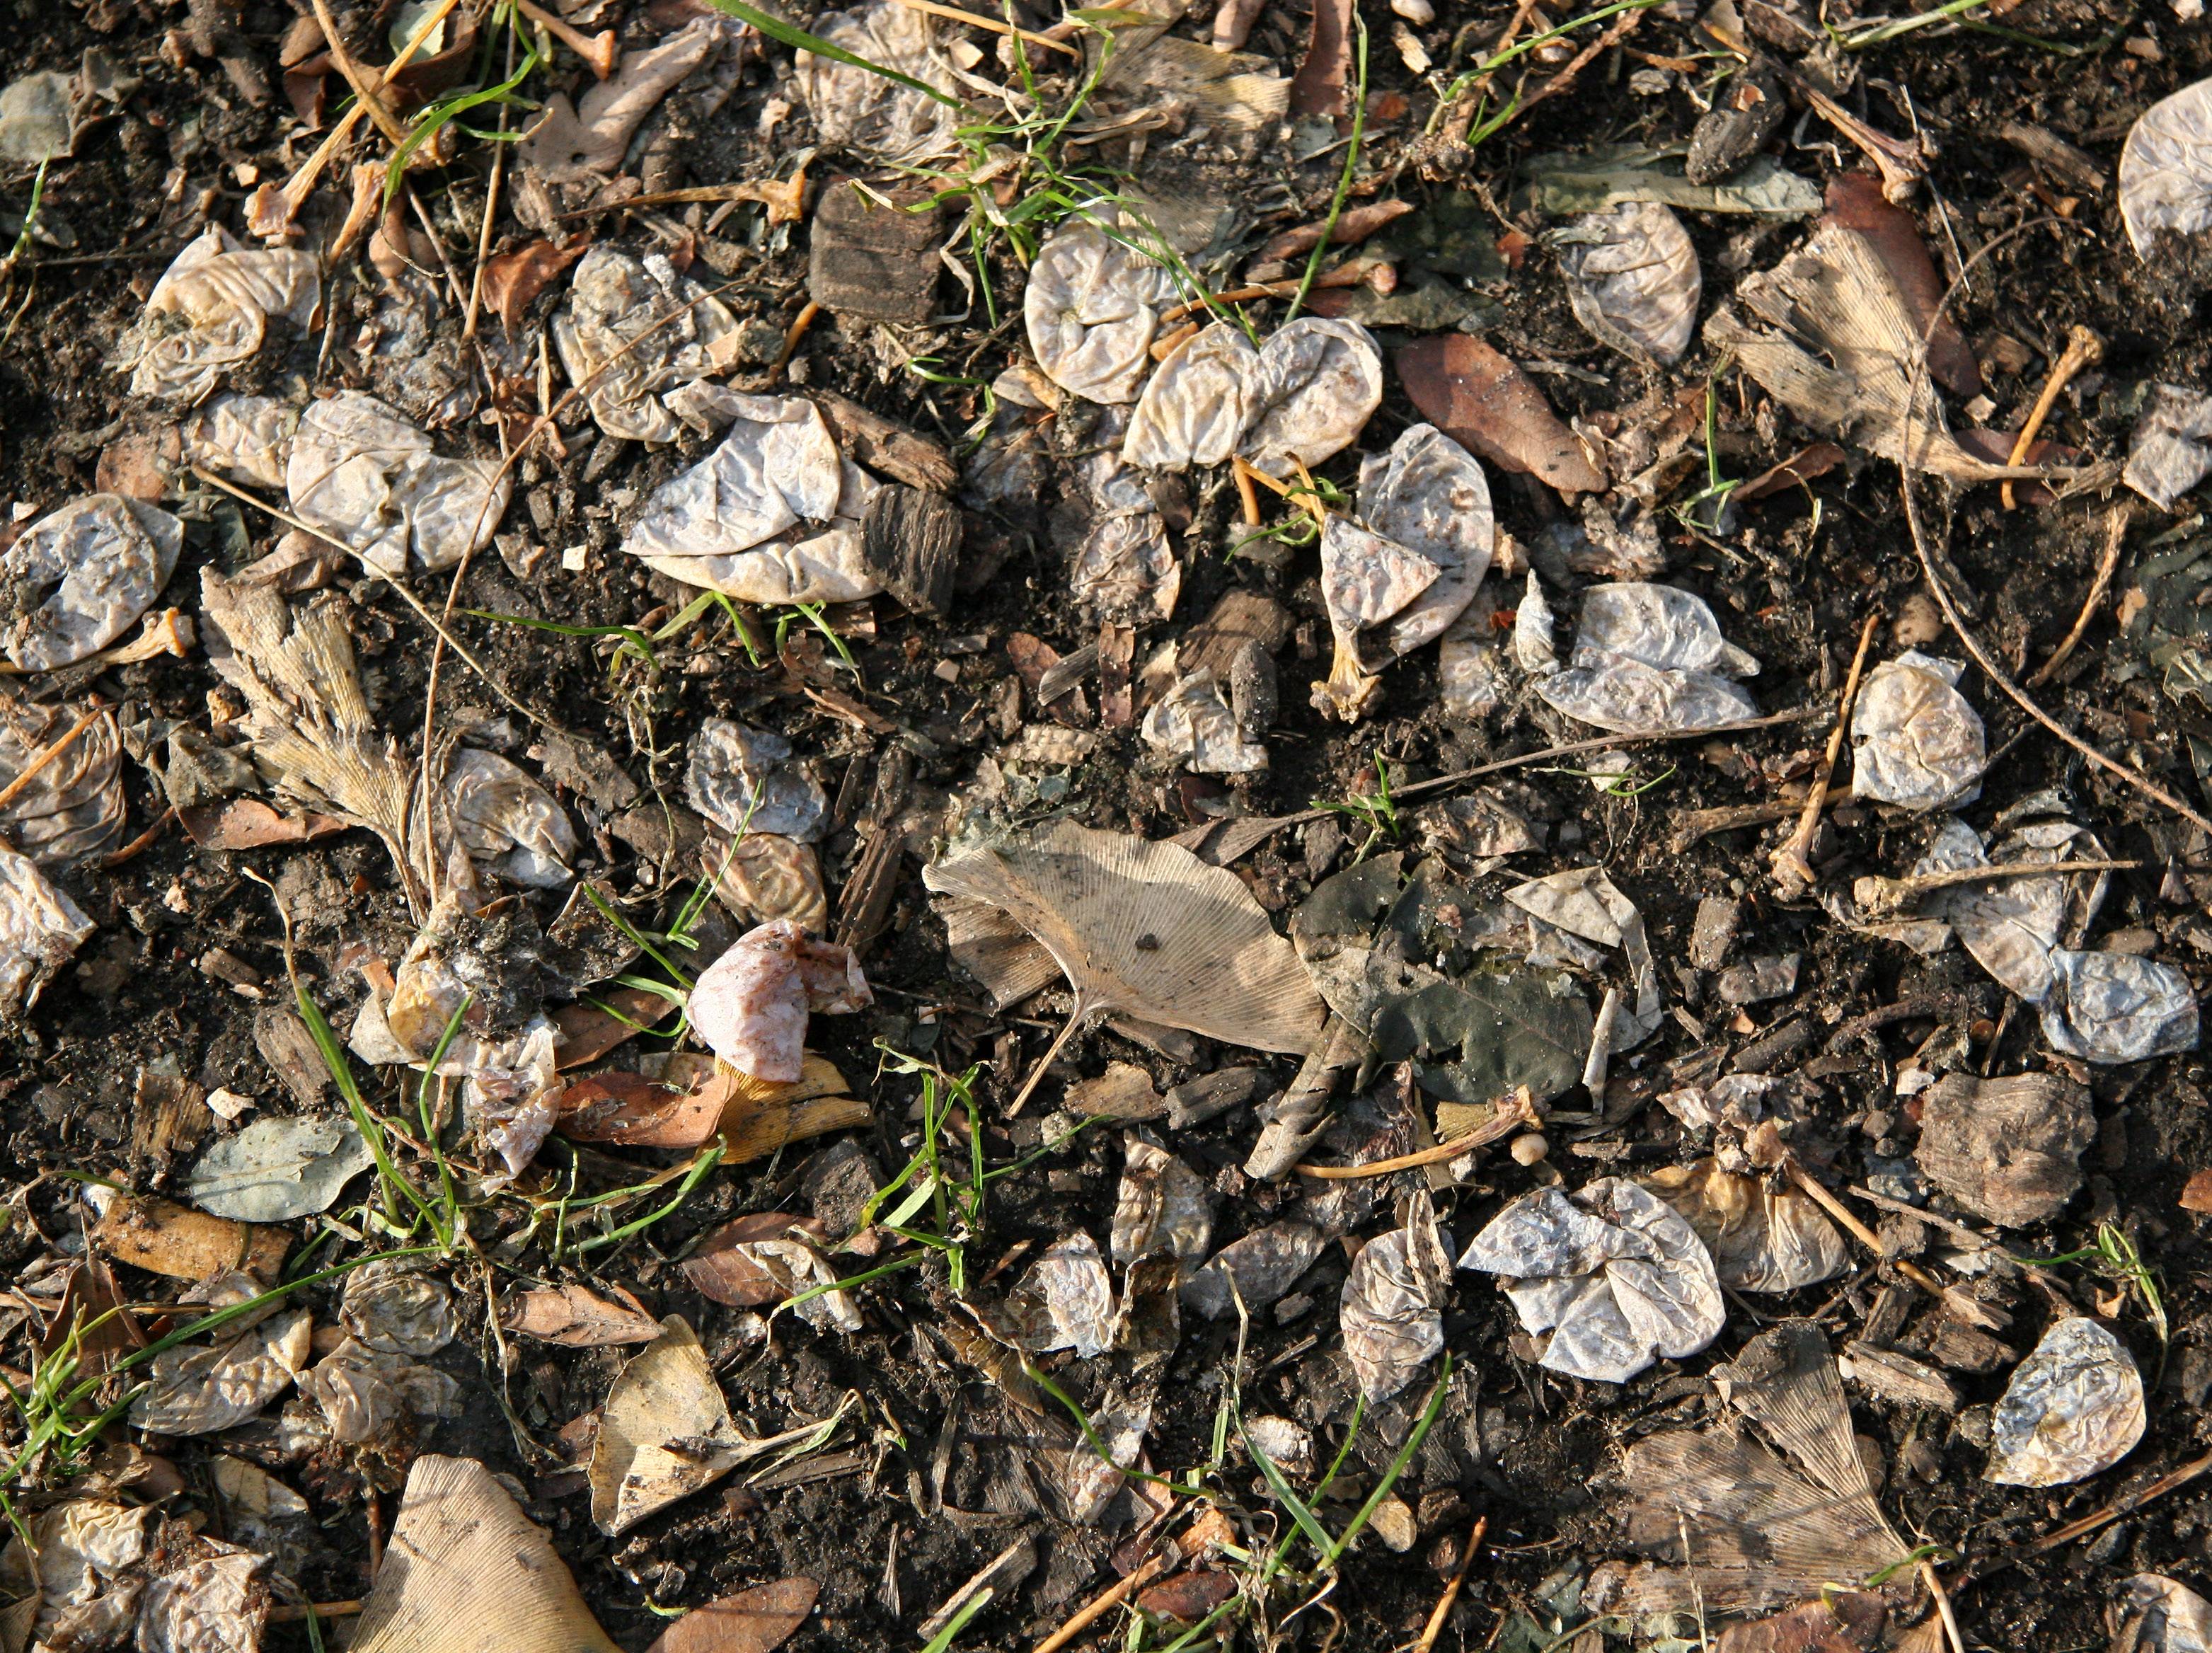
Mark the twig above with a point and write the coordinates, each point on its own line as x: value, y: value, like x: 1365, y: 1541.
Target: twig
x: 293, y: 1612
x: 1878, y: 895
x: 2082, y: 348
x: 1812, y: 1188
x: 1793, y: 870
x: 139, y: 844
x: 369, y: 93
x: 2126, y: 1504
x: 303, y: 181
x: 955, y: 15
x: 1942, y: 1605
x: 490, y: 207
x: 1461, y: 117
x: 1518, y: 1110
x: 798, y: 326
x: 1103, y: 1603
x: 2116, y: 533
x: 31, y: 771
x: 413, y: 601
x: 1435, y: 1626
x: 600, y: 50
x: 1582, y: 60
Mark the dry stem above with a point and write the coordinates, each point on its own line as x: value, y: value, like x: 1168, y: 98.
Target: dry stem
x: 1793, y: 871
x: 2116, y: 533
x: 2082, y: 348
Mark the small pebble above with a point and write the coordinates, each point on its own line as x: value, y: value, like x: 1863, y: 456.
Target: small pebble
x: 1529, y: 1149
x: 1394, y: 1524
x: 1419, y: 12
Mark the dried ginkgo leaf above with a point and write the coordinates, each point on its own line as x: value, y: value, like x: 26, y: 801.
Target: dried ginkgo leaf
x: 1125, y: 571
x: 1616, y: 1276
x: 710, y: 527
x: 1319, y: 382
x: 41, y: 929
x: 1162, y: 1205
x: 214, y: 1604
x: 749, y: 1005
x: 1257, y: 1269
x: 577, y: 143
x: 1193, y: 721
x: 1762, y: 1239
x: 1091, y: 307
x: 633, y: 328
x: 1145, y: 928
x: 1391, y: 1311
x: 767, y: 1258
x: 79, y: 1578
x: 2171, y: 449
x: 1915, y: 741
x: 2166, y: 168
x: 2074, y: 1408
x: 466, y: 1572
x: 78, y: 578
x: 1064, y: 1300
x: 72, y: 807
x: 855, y: 107
x: 396, y: 1306
x: 1632, y: 278
x: 1195, y: 409
x: 1765, y: 1530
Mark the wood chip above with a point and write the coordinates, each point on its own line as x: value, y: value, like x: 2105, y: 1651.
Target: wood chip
x: 875, y: 261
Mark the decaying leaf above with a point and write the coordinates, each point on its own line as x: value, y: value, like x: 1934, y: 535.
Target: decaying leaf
x: 78, y: 578
x: 1391, y: 1311
x: 72, y: 808
x: 640, y: 1112
x: 632, y: 328
x: 1583, y: 901
x: 1612, y: 174
x: 755, y: 1621
x: 743, y: 522
x: 211, y: 312
x: 1766, y: 1529
x: 1488, y: 405
x: 666, y: 1433
x: 1146, y: 929
x: 2073, y: 1409
x: 40, y: 930
x: 2166, y: 168
x: 1195, y: 409
x: 745, y: 780
x: 1428, y: 495
x: 2156, y: 1614
x: 368, y: 1395
x: 768, y: 1258
x: 466, y: 1572
x: 765, y: 876
x: 1842, y: 351
x: 279, y: 1167
x: 1841, y: 1621
x: 164, y: 1237
x: 513, y: 281
x: 2116, y: 1007
x: 501, y: 811
x: 214, y: 1604
x: 81, y: 1576
x: 1064, y: 1300
x: 1092, y: 306
x: 1632, y: 278
x: 749, y: 1005
x: 2013, y: 926
x: 576, y: 143
x: 196, y: 1389
x: 1915, y: 741
x: 1125, y: 571
x: 2171, y: 449
x: 2007, y: 1149
x: 1162, y: 1205
x: 1856, y: 201
x: 1319, y: 381
x: 1651, y: 660
x: 1194, y: 721
x: 579, y: 1318
x: 1762, y: 1239
x: 1260, y: 1267
x: 364, y: 475
x: 856, y: 109
x: 396, y: 1306
x: 1614, y: 1274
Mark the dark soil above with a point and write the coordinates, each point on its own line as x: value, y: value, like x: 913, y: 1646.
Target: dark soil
x: 937, y: 1474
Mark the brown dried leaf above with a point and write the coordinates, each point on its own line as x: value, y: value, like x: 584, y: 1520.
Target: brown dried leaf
x: 1483, y: 402
x: 2009, y: 1149
x: 726, y: 1269
x: 1319, y: 86
x: 1841, y: 1621
x: 1856, y: 201
x: 638, y: 1112
x: 249, y: 823
x: 756, y: 1620
x: 511, y: 280
x: 579, y: 1318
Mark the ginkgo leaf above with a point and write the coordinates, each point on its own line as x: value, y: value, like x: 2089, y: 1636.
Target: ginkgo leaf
x: 2166, y: 168
x: 1148, y: 929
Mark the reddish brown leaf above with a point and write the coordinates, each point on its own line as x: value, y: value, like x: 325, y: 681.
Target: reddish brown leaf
x: 2196, y: 1194
x: 1795, y: 471
x: 1354, y: 224
x: 587, y: 1032
x: 249, y: 823
x: 1995, y: 447
x: 1483, y: 402
x: 1856, y: 201
x: 1844, y: 1621
x: 721, y: 1269
x: 1318, y: 87
x: 579, y: 1318
x: 1188, y: 1596
x: 139, y: 463
x: 755, y: 1620
x: 511, y: 280
x: 641, y: 1113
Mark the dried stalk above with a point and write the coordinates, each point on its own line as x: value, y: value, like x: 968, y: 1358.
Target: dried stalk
x: 2083, y: 348
x: 1516, y: 1111
x: 1793, y: 870
x: 2116, y: 533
